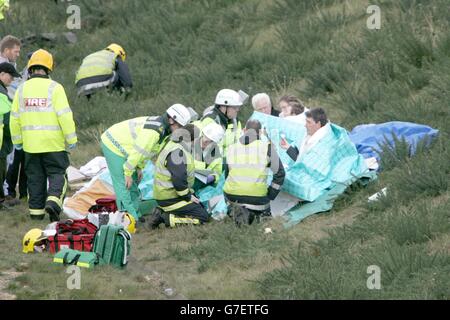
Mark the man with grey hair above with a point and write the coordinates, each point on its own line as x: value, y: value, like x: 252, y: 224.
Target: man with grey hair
x: 261, y: 103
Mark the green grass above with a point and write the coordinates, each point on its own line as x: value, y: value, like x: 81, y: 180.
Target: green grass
x: 185, y: 51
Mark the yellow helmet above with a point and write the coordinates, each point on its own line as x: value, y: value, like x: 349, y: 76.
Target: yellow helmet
x: 32, y: 238
x: 132, y: 225
x: 114, y: 47
x: 41, y: 57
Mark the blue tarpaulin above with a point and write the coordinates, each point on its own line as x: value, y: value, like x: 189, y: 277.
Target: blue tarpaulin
x: 369, y: 137
x: 146, y: 185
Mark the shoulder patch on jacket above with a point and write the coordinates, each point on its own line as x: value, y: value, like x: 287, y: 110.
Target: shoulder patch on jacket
x: 154, y: 123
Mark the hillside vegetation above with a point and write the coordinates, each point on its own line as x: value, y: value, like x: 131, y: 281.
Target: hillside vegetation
x: 321, y: 50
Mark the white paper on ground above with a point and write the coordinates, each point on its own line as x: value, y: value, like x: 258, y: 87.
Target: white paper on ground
x: 372, y: 163
x: 282, y: 204
x: 94, y: 167
x: 74, y: 175
x: 115, y: 218
x: 377, y: 195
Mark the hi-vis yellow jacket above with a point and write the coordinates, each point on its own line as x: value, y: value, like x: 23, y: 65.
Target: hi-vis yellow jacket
x: 208, y: 159
x: 137, y: 140
x: 248, y: 169
x: 5, y: 107
x: 99, y: 63
x: 4, y: 6
x: 41, y: 118
x: 232, y: 133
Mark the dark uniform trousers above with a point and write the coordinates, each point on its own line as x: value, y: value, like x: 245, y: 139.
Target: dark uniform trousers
x: 6, y: 149
x: 42, y: 166
x: 16, y: 171
x: 194, y: 210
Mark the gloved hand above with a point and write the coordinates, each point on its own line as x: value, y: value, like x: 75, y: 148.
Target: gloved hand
x: 210, y: 179
x: 72, y: 146
x: 18, y: 146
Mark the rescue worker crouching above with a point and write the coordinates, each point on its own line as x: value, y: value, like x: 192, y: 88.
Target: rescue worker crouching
x: 207, y: 154
x: 41, y: 123
x: 225, y: 113
x: 104, y: 68
x: 246, y: 170
x: 174, y: 181
x: 129, y: 144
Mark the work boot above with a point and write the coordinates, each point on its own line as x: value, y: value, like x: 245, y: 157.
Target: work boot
x: 37, y: 217
x: 11, y: 201
x: 242, y: 216
x: 155, y: 219
x: 52, y: 213
x: 4, y: 206
x: 140, y: 223
x: 265, y: 216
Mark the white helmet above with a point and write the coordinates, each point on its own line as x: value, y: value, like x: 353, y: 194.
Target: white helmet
x: 179, y: 113
x: 194, y: 114
x: 213, y: 132
x: 228, y: 97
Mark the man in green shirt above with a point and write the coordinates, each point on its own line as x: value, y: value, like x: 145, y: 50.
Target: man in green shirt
x: 7, y: 74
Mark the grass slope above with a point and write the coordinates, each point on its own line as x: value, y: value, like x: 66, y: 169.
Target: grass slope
x: 184, y: 51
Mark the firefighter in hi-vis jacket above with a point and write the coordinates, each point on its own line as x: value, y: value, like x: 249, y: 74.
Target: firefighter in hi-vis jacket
x: 42, y: 123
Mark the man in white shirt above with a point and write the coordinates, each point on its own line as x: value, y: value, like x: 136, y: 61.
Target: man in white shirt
x: 9, y: 49
x: 317, y: 127
x: 9, y: 52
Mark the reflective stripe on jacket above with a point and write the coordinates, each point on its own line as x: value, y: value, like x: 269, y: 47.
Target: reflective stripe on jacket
x: 41, y: 118
x: 99, y: 63
x: 163, y: 188
x: 232, y: 133
x: 248, y: 169
x: 138, y: 140
x: 208, y: 159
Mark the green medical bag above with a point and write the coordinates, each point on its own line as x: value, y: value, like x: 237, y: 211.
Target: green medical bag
x: 112, y: 244
x: 79, y: 258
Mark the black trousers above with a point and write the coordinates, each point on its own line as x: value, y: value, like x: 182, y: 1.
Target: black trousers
x: 16, y: 171
x: 194, y: 210
x: 247, y: 199
x: 42, y: 166
x: 7, y: 148
x: 240, y: 216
